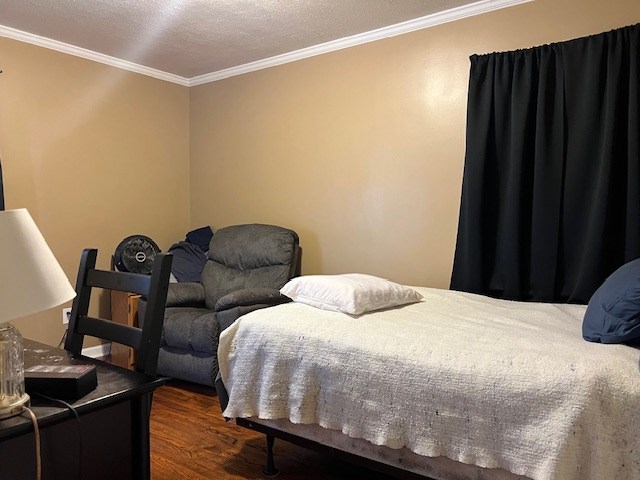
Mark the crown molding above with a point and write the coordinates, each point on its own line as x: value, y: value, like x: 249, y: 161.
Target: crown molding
x: 458, y: 13
x: 90, y: 55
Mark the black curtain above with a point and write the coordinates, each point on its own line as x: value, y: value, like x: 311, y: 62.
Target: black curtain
x: 1, y: 189
x: 551, y: 188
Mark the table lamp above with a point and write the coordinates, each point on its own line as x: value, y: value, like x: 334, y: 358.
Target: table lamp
x: 31, y: 281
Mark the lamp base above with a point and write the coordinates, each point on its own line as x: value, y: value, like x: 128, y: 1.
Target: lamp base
x: 14, y: 408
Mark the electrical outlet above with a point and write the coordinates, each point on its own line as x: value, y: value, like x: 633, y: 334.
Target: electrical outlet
x: 66, y: 314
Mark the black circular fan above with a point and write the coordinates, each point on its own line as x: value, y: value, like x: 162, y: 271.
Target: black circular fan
x: 136, y: 254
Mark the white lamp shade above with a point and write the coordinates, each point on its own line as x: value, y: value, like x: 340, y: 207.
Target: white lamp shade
x: 31, y: 280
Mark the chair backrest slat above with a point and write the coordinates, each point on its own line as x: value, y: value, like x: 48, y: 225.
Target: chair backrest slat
x: 122, y: 281
x: 110, y: 331
x: 146, y: 340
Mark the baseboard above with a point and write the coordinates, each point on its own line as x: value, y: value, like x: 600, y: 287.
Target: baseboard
x: 98, y: 351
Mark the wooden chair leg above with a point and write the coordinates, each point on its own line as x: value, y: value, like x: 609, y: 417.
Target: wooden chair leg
x: 270, y: 470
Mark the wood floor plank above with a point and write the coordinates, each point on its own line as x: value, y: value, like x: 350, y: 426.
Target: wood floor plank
x: 190, y: 440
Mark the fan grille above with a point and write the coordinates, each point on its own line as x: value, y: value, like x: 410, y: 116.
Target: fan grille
x: 136, y: 254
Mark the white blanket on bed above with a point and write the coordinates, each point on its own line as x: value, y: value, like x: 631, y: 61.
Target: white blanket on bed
x: 482, y: 381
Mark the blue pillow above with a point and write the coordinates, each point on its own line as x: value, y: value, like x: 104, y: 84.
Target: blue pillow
x: 613, y: 313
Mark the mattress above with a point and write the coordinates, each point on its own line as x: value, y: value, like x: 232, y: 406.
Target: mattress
x: 484, y: 382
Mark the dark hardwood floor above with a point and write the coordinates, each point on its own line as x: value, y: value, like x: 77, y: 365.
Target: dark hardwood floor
x: 190, y: 440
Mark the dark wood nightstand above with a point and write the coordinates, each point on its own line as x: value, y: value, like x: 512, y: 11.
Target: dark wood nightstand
x: 110, y: 441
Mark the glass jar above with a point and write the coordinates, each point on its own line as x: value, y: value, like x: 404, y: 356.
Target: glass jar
x: 12, y: 394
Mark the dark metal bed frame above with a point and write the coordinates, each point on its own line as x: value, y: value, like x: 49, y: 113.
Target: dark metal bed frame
x: 271, y: 434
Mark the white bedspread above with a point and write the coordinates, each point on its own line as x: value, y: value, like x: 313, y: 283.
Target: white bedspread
x: 488, y: 382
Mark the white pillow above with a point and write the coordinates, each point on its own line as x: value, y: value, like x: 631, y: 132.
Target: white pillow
x: 353, y: 293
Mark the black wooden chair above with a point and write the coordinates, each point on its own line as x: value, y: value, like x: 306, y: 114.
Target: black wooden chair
x: 146, y: 339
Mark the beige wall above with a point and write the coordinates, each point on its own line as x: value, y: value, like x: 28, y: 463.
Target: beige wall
x: 361, y: 150
x: 94, y: 153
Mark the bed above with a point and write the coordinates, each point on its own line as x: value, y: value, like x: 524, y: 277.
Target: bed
x: 453, y: 386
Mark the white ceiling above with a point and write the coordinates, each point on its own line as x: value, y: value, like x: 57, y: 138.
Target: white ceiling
x: 211, y: 39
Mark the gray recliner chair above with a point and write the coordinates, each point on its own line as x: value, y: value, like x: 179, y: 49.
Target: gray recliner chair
x: 245, y: 269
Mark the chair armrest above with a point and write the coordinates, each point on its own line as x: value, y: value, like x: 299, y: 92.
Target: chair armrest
x: 250, y: 296
x: 185, y: 294
x: 227, y: 317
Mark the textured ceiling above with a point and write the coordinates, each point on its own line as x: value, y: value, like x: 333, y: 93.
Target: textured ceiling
x: 189, y: 38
